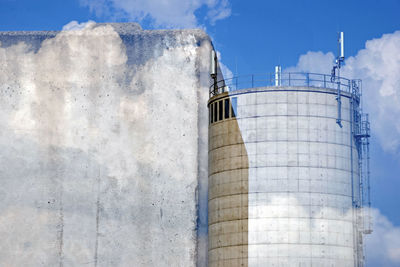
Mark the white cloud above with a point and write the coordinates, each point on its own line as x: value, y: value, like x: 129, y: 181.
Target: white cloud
x: 218, y: 10
x: 383, y: 246
x: 74, y: 25
x: 162, y: 13
x: 378, y: 65
x: 317, y: 62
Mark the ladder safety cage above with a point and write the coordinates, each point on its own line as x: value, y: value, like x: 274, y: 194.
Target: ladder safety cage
x: 362, y: 133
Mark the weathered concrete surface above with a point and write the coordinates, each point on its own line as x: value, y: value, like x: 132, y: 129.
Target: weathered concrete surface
x: 280, y: 191
x: 103, y: 145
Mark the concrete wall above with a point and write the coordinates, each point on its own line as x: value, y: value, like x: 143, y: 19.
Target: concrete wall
x: 228, y: 195
x: 103, y: 146
x: 298, y: 188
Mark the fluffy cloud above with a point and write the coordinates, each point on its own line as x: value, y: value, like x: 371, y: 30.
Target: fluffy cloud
x: 378, y: 65
x: 170, y: 14
x: 74, y: 25
x: 317, y: 62
x: 383, y: 246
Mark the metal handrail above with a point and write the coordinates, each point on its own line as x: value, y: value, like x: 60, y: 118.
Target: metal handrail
x: 285, y: 79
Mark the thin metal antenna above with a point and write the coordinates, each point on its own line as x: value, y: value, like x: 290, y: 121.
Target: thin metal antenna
x: 213, y: 70
x: 339, y: 61
x: 236, y: 69
x: 341, y: 45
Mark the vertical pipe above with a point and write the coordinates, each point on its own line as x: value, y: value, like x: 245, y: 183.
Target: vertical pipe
x: 354, y: 216
x: 351, y: 148
x: 236, y: 83
x: 213, y: 70
x: 213, y: 67
x: 349, y: 85
x: 368, y: 181
x: 339, y: 100
x: 277, y: 75
x: 271, y: 78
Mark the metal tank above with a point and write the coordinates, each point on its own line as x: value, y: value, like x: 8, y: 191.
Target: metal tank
x: 288, y: 171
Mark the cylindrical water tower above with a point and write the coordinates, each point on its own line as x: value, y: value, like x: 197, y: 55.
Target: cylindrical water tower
x: 287, y: 171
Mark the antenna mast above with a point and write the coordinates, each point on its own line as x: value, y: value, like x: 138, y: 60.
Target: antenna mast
x: 339, y: 61
x: 213, y: 70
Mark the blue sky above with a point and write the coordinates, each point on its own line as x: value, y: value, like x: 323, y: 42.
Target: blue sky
x: 256, y: 36
x: 252, y: 37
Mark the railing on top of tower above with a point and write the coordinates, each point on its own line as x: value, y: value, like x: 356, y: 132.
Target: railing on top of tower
x: 286, y: 79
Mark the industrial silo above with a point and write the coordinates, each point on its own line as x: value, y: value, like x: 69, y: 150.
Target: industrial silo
x: 288, y: 171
